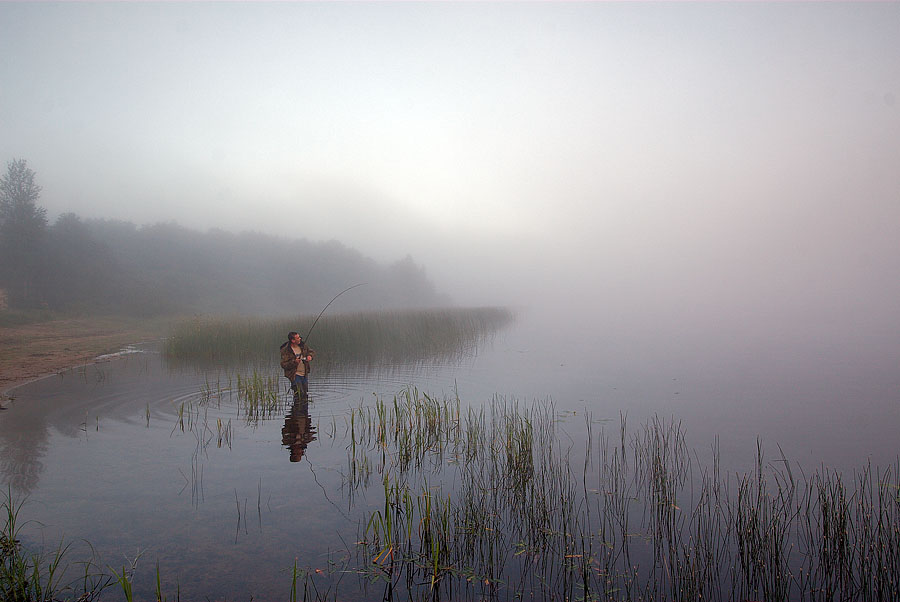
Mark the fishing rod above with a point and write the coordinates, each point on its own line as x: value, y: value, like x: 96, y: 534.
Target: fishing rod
x: 326, y: 307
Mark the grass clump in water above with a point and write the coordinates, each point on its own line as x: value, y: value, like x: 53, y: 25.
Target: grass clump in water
x: 499, y: 503
x: 259, y: 397
x: 385, y: 337
x: 39, y: 577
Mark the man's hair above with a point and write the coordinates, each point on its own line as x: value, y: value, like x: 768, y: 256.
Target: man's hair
x: 291, y: 335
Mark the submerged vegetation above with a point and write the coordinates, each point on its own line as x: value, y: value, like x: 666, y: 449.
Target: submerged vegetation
x: 359, y: 339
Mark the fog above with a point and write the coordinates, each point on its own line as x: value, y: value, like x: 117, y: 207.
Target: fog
x: 715, y: 167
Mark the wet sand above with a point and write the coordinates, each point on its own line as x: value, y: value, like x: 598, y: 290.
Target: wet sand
x: 32, y: 351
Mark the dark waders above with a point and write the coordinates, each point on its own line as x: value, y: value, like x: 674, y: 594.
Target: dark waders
x: 300, y: 386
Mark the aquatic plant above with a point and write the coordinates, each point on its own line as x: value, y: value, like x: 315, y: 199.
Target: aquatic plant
x: 488, y: 502
x: 27, y: 576
x: 340, y: 339
x: 513, y: 500
x: 259, y: 396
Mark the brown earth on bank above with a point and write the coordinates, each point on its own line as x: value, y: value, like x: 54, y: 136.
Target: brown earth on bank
x: 30, y: 351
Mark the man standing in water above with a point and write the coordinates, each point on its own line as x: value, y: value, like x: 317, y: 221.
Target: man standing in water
x: 295, y: 359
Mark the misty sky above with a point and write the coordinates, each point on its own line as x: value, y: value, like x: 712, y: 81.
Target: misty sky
x: 687, y: 157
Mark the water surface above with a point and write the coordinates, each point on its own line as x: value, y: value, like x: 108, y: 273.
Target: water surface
x: 156, y: 462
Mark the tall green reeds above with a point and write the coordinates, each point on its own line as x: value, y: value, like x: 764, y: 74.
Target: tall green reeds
x: 513, y: 501
x: 357, y: 338
x: 496, y: 502
x: 36, y: 576
x: 258, y: 396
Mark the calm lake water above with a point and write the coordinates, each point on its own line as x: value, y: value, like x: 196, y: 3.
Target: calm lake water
x: 124, y: 455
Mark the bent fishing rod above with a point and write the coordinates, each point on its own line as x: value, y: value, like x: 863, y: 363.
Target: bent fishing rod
x: 326, y: 307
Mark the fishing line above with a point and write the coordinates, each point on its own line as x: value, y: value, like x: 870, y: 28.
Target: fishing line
x: 306, y: 338
x: 316, y: 479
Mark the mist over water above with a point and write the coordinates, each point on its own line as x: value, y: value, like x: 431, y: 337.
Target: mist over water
x: 721, y: 172
x: 221, y: 517
x: 823, y: 397
x: 693, y: 208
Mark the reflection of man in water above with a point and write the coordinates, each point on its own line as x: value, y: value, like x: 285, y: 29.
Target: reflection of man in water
x: 298, y: 430
x: 295, y: 359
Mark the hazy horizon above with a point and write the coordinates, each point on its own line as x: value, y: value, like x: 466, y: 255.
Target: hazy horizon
x: 726, y: 166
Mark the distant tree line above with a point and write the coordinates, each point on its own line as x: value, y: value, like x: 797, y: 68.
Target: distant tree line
x: 77, y: 265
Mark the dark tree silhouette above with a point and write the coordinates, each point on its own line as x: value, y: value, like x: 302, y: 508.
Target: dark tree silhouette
x: 22, y: 228
x: 102, y: 266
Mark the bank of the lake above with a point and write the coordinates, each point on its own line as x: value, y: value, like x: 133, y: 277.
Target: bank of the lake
x: 34, y: 350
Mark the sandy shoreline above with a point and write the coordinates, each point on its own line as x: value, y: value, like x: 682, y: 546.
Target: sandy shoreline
x: 27, y: 373
x: 33, y: 351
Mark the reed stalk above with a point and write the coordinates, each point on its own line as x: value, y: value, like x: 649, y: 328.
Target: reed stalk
x: 341, y: 340
x: 640, y: 519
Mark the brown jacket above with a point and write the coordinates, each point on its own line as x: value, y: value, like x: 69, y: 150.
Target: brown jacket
x: 291, y: 364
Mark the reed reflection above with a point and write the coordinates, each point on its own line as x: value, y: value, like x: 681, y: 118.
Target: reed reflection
x: 298, y: 430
